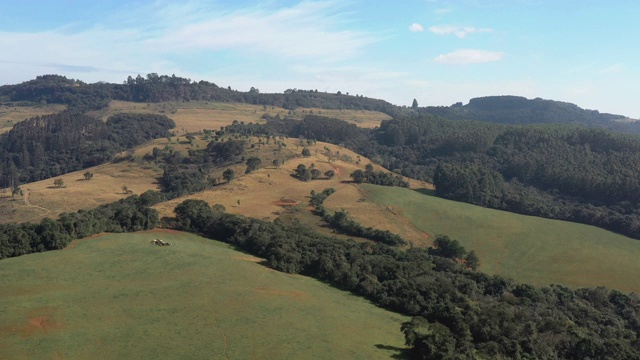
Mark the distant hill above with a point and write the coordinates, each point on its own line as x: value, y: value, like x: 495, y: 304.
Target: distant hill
x: 154, y: 88
x: 520, y: 110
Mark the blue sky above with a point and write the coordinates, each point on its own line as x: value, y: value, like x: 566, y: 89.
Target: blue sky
x: 437, y: 51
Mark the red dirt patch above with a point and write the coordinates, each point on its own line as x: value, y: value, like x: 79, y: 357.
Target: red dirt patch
x: 41, y: 324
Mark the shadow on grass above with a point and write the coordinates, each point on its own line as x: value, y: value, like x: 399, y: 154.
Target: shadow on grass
x: 427, y: 192
x: 399, y: 353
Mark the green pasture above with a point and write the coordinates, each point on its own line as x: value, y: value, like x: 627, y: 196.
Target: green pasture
x: 120, y: 297
x: 526, y: 248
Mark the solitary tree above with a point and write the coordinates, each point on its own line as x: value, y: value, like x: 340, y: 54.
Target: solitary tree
x: 58, y: 183
x: 229, y: 175
x: 89, y: 175
x: 126, y: 190
x: 253, y: 163
x: 330, y: 174
x: 306, y: 152
x: 415, y: 104
x: 277, y: 163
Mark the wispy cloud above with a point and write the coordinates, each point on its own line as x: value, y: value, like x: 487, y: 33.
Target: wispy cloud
x: 160, y: 36
x: 306, y: 30
x: 469, y: 56
x: 459, y: 31
x: 416, y: 27
x: 613, y: 69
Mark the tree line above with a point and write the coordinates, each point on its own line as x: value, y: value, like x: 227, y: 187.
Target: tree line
x: 457, y: 313
x: 81, y: 97
x: 127, y: 215
x: 48, y: 146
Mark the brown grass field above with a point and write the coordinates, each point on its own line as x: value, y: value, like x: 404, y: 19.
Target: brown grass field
x: 198, y: 115
x: 266, y: 193
x: 10, y: 113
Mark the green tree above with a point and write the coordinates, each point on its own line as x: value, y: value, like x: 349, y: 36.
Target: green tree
x: 472, y: 261
x: 277, y: 163
x: 89, y: 175
x: 330, y: 174
x: 306, y: 152
x: 253, y: 163
x: 193, y: 214
x: 59, y: 183
x: 229, y: 175
x: 315, y: 174
x: 414, y: 104
x: 446, y: 247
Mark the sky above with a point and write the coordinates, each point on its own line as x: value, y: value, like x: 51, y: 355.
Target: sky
x: 437, y: 51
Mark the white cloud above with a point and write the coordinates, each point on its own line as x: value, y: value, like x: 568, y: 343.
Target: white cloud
x: 469, y: 56
x: 416, y: 27
x: 459, y: 31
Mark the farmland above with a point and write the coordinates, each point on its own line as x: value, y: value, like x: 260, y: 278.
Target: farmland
x: 118, y: 296
x: 525, y: 248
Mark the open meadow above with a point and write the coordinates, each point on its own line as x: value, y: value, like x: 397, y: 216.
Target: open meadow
x: 195, y: 116
x: 526, y: 248
x: 120, y: 297
x: 12, y: 113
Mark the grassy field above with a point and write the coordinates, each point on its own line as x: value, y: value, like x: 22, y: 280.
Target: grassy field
x: 526, y: 248
x: 198, y: 115
x: 10, y: 114
x: 120, y: 297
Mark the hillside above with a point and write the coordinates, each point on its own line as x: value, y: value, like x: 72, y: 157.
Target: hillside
x: 194, y: 299
x: 520, y: 110
x: 263, y: 157
x: 526, y: 248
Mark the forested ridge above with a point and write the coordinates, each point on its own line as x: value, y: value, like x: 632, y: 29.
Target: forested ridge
x: 519, y: 110
x: 81, y: 97
x: 51, y: 145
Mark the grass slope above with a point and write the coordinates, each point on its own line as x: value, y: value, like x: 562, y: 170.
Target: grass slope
x: 197, y: 115
x: 526, y: 248
x: 12, y: 113
x: 120, y: 297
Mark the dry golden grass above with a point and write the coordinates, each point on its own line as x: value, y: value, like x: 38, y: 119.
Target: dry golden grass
x: 10, y: 114
x: 195, y: 116
x: 362, y: 118
x: 41, y: 199
x: 262, y: 194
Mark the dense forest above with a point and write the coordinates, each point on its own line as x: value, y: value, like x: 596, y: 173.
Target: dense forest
x: 51, y: 145
x: 519, y: 110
